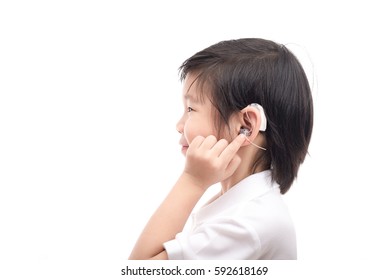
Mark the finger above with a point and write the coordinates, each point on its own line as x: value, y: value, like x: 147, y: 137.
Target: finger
x: 219, y: 147
x: 196, y: 142
x: 208, y: 142
x: 232, y: 148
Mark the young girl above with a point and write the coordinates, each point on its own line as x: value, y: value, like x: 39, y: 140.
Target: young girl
x: 247, y: 123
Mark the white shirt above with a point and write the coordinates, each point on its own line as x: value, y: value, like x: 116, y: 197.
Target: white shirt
x: 248, y: 222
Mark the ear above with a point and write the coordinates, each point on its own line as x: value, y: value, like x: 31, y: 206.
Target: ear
x: 251, y: 119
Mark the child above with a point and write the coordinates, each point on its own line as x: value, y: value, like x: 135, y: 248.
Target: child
x: 247, y: 123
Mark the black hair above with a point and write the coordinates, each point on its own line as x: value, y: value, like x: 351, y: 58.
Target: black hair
x: 244, y: 71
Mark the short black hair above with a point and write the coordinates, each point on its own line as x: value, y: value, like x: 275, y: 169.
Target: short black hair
x: 253, y: 70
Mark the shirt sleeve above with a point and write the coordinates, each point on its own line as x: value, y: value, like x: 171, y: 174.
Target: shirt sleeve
x: 220, y: 239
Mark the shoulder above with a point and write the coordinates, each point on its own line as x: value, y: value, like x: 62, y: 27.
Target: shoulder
x: 270, y: 218
x: 267, y: 212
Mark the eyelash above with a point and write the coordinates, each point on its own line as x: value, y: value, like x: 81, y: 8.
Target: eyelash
x: 189, y: 109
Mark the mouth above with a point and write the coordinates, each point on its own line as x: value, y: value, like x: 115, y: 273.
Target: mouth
x: 184, y: 145
x: 184, y: 148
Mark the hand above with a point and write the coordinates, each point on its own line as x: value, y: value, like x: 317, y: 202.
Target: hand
x: 209, y: 161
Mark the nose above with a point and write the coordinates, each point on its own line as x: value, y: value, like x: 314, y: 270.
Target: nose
x: 180, y: 125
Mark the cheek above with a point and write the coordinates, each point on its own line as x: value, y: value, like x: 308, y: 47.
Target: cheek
x: 195, y: 128
x: 191, y: 131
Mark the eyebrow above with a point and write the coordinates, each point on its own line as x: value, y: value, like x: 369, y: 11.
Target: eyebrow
x: 190, y: 97
x: 187, y: 96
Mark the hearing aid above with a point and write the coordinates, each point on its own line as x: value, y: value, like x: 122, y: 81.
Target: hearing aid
x: 245, y: 132
x: 262, y: 115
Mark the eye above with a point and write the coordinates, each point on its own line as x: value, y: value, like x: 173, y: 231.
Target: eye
x: 189, y: 109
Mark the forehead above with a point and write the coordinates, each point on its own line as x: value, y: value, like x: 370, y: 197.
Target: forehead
x: 192, y: 90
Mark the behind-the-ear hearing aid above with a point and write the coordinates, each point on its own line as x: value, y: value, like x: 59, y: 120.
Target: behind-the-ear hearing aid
x: 262, y: 114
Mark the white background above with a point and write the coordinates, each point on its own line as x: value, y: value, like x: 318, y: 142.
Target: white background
x: 89, y: 100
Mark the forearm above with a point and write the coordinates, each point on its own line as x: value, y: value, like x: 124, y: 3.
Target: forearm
x: 208, y: 161
x: 169, y: 219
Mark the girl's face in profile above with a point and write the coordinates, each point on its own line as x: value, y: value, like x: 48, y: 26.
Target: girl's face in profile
x: 197, y: 118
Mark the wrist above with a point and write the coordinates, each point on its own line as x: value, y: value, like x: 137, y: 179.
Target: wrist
x: 194, y: 183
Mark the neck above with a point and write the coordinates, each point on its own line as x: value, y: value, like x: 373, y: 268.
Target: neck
x: 247, y: 155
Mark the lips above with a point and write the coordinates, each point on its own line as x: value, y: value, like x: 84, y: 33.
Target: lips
x: 184, y: 145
